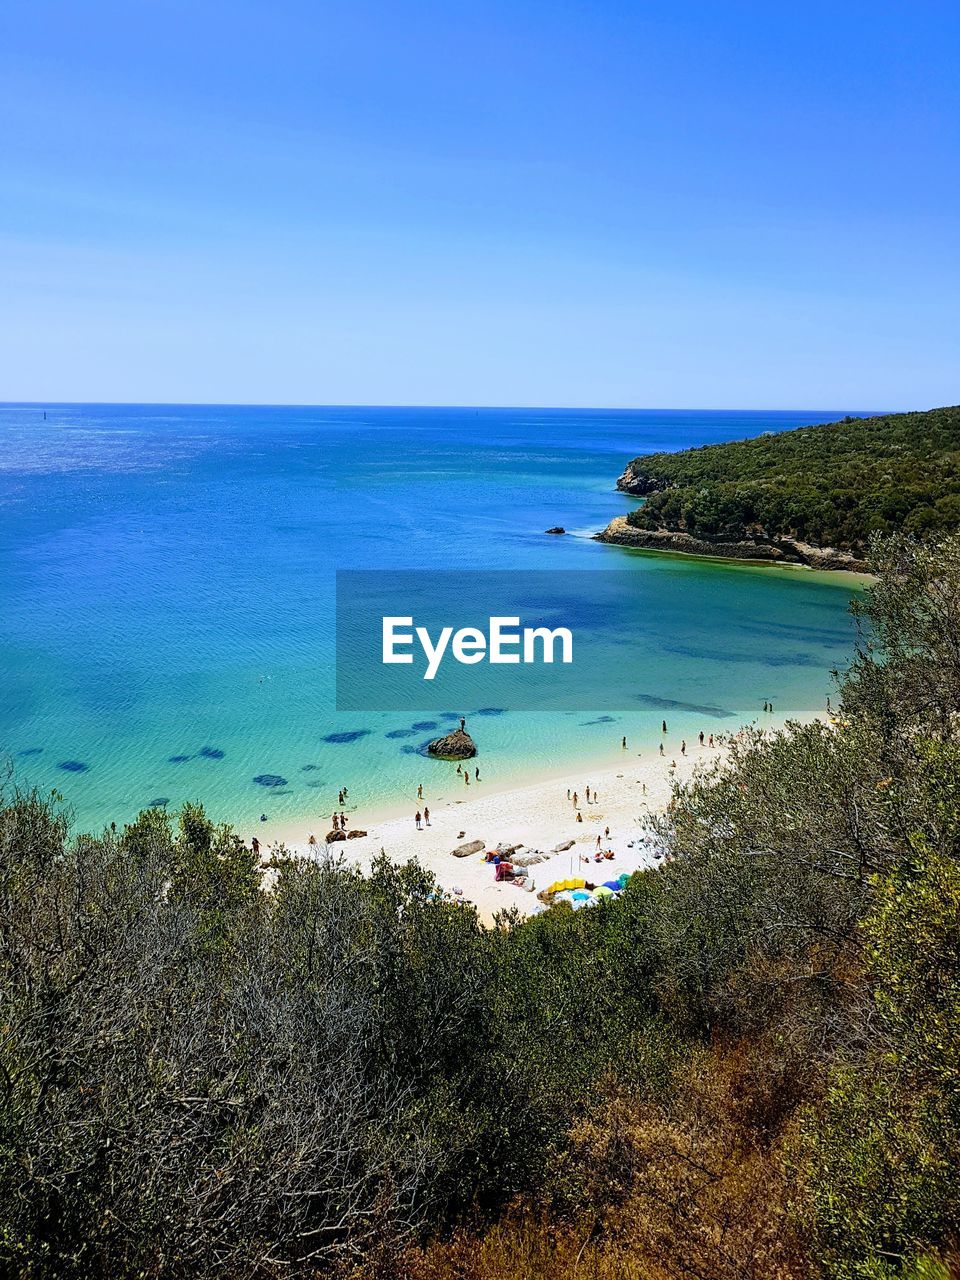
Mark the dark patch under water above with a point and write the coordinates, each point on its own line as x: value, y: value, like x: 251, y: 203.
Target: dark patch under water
x: 308, y: 768
x: 723, y: 656
x: 73, y: 766
x: 400, y: 733
x: 670, y: 704
x: 178, y: 759
x: 421, y: 750
x: 30, y: 751
x: 315, y: 782
x: 491, y: 711
x: 270, y: 780
x: 160, y: 802
x: 422, y: 725
x: 348, y: 735
x: 212, y: 753
x: 601, y: 720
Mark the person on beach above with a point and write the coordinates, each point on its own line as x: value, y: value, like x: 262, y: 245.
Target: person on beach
x: 466, y: 777
x: 336, y: 821
x: 710, y: 740
x: 312, y: 840
x: 596, y: 797
x: 623, y: 743
x: 420, y: 791
x: 575, y: 800
x: 476, y: 773
x: 661, y: 748
x: 588, y: 795
x: 701, y: 737
x: 683, y: 747
x: 579, y: 816
x: 255, y: 846
x: 417, y: 820
x: 426, y: 815
x: 598, y: 844
x: 606, y: 833
x: 340, y: 797
x: 568, y: 793
x: 459, y: 768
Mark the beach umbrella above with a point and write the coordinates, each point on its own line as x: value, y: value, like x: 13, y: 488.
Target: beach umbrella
x: 615, y: 885
x: 579, y: 895
x: 603, y: 891
x: 624, y: 878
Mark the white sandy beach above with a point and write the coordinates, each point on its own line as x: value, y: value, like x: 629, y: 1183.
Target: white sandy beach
x: 536, y: 816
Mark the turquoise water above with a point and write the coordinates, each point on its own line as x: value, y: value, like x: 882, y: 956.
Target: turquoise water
x: 166, y: 594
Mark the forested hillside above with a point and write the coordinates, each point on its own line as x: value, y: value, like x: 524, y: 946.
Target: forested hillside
x: 745, y: 1068
x: 832, y: 485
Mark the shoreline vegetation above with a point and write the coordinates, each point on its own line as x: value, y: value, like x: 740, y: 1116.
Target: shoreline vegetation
x: 744, y: 1063
x: 811, y: 496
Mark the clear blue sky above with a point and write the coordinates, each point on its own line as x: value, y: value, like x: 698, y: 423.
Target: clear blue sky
x: 520, y: 202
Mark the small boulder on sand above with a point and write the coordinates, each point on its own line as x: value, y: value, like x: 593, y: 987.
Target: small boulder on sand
x: 335, y: 835
x: 355, y: 834
x: 464, y: 850
x: 563, y: 846
x: 453, y: 746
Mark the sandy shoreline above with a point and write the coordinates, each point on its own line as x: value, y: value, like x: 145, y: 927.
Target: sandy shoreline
x: 537, y: 815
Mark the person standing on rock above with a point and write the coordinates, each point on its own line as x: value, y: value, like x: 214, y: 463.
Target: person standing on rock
x: 463, y: 724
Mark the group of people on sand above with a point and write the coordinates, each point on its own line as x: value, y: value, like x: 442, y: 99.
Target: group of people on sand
x: 592, y: 797
x: 422, y: 819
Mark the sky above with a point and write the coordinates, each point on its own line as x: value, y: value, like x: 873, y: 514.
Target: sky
x: 527, y: 202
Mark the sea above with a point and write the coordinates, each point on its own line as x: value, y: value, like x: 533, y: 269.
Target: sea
x: 167, y: 618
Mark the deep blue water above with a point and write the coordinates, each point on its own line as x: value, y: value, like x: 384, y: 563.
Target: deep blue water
x: 166, y: 592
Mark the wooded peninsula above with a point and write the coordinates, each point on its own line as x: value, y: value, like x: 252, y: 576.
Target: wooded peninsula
x: 813, y: 495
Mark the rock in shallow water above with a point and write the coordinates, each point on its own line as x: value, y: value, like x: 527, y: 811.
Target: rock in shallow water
x: 453, y: 746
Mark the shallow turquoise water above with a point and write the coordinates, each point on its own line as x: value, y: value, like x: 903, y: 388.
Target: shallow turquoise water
x: 166, y: 594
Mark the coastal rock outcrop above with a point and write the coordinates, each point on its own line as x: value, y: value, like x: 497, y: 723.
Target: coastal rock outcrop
x: 772, y: 551
x: 457, y: 745
x: 557, y: 528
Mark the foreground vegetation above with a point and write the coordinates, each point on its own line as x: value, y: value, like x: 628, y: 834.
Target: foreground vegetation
x: 832, y: 486
x: 746, y: 1068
